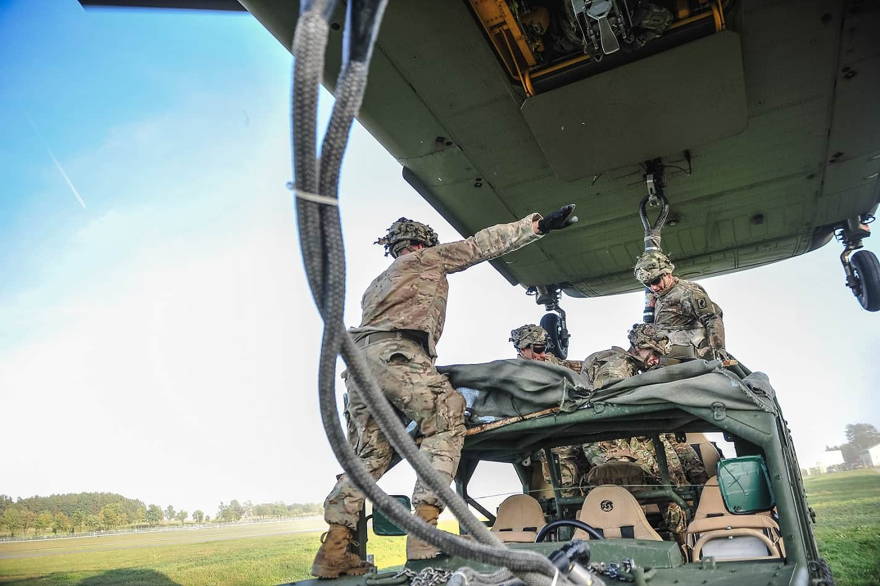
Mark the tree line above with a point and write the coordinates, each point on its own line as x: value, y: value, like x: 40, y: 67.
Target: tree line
x: 61, y: 514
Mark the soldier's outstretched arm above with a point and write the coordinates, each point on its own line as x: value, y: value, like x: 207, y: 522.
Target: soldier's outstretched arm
x: 498, y: 240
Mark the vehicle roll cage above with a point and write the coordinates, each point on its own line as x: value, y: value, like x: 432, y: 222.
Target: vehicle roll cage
x: 753, y: 432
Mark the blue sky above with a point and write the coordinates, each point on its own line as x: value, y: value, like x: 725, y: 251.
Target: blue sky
x: 160, y: 341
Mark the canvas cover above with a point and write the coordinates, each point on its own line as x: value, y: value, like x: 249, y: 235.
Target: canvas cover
x: 508, y: 388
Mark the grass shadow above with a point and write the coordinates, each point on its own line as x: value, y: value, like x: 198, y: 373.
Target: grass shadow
x: 135, y: 576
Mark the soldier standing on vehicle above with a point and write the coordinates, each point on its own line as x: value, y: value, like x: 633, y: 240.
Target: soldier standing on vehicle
x: 682, y: 309
x: 404, y: 310
x: 530, y: 342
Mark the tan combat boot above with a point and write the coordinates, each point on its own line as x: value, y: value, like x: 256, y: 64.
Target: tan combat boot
x: 334, y: 558
x: 416, y: 549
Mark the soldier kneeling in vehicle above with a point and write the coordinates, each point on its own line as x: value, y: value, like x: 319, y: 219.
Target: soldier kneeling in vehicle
x: 530, y: 342
x: 615, y: 462
x: 647, y: 347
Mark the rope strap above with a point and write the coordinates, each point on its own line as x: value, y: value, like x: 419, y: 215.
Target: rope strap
x: 316, y: 198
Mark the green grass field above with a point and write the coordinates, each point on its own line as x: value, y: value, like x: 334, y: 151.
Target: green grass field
x: 847, y: 506
x: 265, y: 553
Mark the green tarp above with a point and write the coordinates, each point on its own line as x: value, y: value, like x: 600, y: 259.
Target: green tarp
x: 507, y: 388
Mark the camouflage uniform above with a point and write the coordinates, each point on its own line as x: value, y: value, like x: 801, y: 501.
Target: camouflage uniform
x: 569, y: 466
x: 682, y: 461
x: 570, y: 469
x: 687, y: 315
x: 606, y: 367
x: 683, y: 311
x: 406, y: 307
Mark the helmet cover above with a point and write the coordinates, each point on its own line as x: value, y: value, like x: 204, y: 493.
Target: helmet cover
x: 405, y: 232
x: 527, y: 335
x: 652, y: 264
x: 650, y: 337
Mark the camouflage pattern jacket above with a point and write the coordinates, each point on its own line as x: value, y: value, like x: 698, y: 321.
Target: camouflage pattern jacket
x: 607, y: 367
x: 682, y: 461
x: 686, y: 314
x: 411, y: 293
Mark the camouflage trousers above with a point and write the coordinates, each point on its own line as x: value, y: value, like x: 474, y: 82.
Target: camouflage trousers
x: 676, y: 520
x: 407, y: 377
x: 569, y: 470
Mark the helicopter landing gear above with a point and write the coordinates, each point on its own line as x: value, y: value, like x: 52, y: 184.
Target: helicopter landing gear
x: 554, y: 321
x: 863, y: 269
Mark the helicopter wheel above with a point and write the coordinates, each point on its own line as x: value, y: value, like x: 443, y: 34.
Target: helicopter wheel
x: 555, y: 327
x: 867, y: 271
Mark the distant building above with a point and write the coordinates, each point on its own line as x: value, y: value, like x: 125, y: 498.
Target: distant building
x: 828, y: 459
x: 871, y: 456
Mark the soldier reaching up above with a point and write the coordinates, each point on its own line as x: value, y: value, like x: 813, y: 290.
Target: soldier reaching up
x: 404, y: 309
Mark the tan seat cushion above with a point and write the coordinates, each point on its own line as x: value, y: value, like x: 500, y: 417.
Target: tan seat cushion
x: 519, y: 519
x: 712, y: 503
x: 615, y: 513
x: 714, y: 526
x: 736, y: 545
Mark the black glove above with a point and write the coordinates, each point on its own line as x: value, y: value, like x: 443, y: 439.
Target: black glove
x: 561, y: 218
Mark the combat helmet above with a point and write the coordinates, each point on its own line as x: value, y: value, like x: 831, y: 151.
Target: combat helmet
x: 648, y: 336
x: 405, y: 232
x: 651, y: 264
x: 527, y: 335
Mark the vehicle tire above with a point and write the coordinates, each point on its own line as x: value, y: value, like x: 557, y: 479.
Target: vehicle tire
x: 867, y: 270
x: 552, y: 322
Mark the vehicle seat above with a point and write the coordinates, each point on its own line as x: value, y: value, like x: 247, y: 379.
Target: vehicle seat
x: 706, y: 450
x: 519, y: 519
x: 627, y: 474
x: 717, y: 533
x: 712, y: 503
x: 614, y: 513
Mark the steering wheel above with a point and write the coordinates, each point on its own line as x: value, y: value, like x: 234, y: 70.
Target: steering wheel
x: 553, y: 526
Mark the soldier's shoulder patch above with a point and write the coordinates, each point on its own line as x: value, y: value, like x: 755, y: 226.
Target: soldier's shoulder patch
x: 701, y: 302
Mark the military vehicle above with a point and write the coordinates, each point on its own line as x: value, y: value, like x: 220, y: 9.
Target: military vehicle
x: 756, y: 118
x: 749, y: 524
